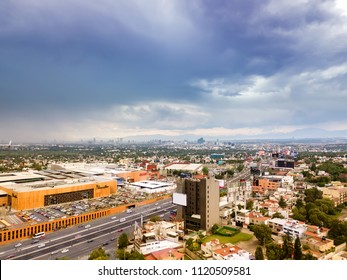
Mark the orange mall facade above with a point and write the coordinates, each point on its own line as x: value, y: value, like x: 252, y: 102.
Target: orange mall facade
x: 22, y: 199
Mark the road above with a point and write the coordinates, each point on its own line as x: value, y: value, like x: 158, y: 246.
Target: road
x: 79, y: 241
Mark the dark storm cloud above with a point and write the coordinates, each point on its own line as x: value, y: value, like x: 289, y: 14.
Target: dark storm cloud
x: 111, y: 66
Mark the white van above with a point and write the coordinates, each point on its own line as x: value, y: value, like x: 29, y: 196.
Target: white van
x: 122, y: 220
x: 87, y: 226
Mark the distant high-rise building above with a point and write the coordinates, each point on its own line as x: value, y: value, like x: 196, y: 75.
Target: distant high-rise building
x: 201, y: 209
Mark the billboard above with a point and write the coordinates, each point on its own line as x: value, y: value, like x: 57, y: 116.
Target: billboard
x: 179, y: 199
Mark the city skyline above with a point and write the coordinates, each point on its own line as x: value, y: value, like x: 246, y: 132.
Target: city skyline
x: 77, y: 69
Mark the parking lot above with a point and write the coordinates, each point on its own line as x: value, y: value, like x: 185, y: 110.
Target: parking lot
x: 59, y: 211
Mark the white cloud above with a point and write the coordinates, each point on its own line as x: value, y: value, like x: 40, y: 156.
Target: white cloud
x: 292, y: 99
x: 341, y: 5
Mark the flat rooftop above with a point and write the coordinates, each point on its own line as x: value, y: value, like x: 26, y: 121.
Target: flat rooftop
x: 45, y: 180
x: 95, y: 169
x: 152, y: 184
x: 184, y: 166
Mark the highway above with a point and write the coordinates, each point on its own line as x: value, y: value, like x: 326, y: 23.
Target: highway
x: 79, y: 241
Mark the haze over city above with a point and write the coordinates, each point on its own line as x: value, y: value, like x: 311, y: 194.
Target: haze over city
x: 75, y: 69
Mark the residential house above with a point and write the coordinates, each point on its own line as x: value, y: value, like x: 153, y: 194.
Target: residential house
x: 165, y: 254
x: 231, y: 252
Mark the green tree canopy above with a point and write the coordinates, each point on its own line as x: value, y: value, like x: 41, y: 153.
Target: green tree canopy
x: 136, y: 256
x: 259, y: 254
x: 249, y: 204
x: 338, y: 232
x: 297, y: 249
x: 214, y: 228
x: 308, y: 256
x: 123, y: 241
x: 282, y: 203
x: 312, y: 194
x: 262, y: 233
x: 274, y: 251
x: 287, y: 247
x: 277, y: 215
x: 99, y: 254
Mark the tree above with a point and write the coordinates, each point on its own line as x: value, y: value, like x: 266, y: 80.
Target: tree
x: 99, y: 254
x: 214, y: 228
x: 135, y: 255
x: 282, y: 203
x: 155, y: 219
x: 123, y: 241
x: 274, y: 251
x: 249, y: 204
x: 277, y: 215
x: 312, y: 194
x: 121, y: 254
x: 297, y: 249
x: 205, y: 170
x: 189, y: 242
x: 259, y: 255
x: 338, y: 232
x: 262, y: 233
x: 240, y: 168
x: 308, y: 256
x: 299, y: 203
x: 287, y: 247
x: 230, y: 172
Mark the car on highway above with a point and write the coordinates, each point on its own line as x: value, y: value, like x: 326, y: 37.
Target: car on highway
x: 120, y: 230
x: 114, y: 218
x: 10, y: 257
x: 54, y: 252
x: 65, y: 251
x: 41, y: 245
x: 105, y: 244
x: 113, y: 239
x: 122, y: 220
x: 35, y: 241
x: 18, y: 245
x: 90, y: 240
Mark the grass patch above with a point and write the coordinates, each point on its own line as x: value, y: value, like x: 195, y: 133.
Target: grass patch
x: 227, y: 231
x: 229, y: 239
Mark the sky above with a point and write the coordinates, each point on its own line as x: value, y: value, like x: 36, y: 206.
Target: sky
x: 84, y: 69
